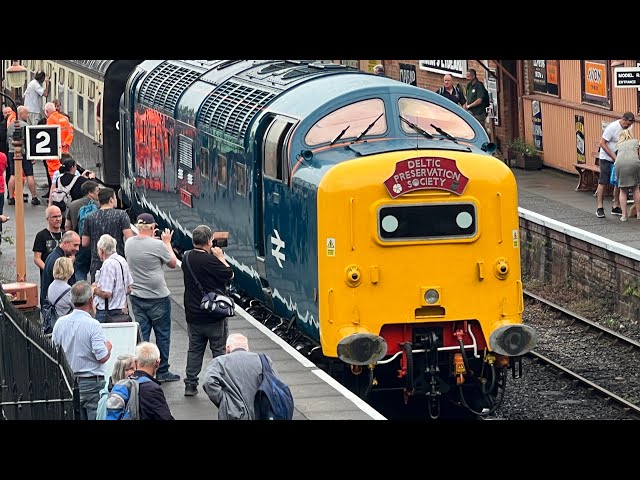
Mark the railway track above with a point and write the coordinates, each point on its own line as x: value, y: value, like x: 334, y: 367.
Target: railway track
x: 593, y: 356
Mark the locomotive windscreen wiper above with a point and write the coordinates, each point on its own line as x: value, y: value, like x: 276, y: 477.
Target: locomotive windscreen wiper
x: 442, y: 132
x: 339, y: 135
x: 368, y: 128
x: 416, y: 127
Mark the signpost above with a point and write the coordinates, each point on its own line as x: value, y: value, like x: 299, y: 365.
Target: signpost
x: 626, y: 77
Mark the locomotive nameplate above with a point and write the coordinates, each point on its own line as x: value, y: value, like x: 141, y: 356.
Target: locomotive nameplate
x: 425, y: 173
x: 186, y: 198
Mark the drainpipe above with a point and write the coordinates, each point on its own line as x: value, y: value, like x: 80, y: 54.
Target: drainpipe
x: 520, y: 92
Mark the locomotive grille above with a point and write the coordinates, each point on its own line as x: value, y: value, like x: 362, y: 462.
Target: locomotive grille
x: 427, y: 222
x: 185, y: 151
x: 232, y: 106
x: 162, y: 87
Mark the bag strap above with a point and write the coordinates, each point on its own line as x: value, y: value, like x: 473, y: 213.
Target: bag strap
x: 61, y: 295
x: 186, y: 262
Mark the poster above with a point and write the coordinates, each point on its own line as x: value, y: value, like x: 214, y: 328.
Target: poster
x: 536, y: 114
x: 580, y: 149
x: 408, y: 73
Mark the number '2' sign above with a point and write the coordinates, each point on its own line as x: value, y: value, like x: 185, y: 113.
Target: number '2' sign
x: 43, y: 142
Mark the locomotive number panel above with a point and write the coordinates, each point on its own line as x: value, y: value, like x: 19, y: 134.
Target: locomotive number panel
x: 427, y: 222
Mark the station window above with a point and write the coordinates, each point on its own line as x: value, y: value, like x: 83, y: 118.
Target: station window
x: 546, y: 76
x: 596, y: 82
x: 241, y: 179
x: 222, y: 170
x: 352, y: 119
x: 205, y: 162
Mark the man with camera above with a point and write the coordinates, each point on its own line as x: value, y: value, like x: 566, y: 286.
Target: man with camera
x: 150, y: 300
x: 207, y: 264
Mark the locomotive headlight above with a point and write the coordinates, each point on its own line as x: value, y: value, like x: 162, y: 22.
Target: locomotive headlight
x: 513, y: 340
x: 431, y: 296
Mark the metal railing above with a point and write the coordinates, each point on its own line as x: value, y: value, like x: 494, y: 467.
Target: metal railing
x: 36, y: 382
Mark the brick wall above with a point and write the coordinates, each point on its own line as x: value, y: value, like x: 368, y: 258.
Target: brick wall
x: 557, y: 258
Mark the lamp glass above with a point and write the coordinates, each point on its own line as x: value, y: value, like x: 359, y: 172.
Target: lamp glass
x: 16, y: 76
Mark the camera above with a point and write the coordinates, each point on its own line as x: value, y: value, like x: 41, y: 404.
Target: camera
x: 220, y: 239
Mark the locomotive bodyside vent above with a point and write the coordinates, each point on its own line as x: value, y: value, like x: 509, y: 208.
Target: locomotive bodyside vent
x: 163, y: 87
x: 231, y: 107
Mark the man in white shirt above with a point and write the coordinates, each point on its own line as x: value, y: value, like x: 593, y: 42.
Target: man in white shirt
x: 36, y: 90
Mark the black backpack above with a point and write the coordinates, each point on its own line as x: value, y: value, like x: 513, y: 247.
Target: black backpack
x: 49, y: 312
x: 273, y: 399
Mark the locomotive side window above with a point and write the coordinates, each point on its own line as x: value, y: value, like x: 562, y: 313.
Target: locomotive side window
x: 427, y: 222
x: 424, y: 114
x: 275, y: 149
x: 222, y: 170
x: 353, y: 119
x: 205, y: 162
x: 241, y: 179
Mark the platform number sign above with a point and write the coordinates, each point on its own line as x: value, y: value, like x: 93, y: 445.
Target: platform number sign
x: 43, y: 142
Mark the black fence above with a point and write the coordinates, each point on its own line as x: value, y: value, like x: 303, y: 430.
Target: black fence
x: 36, y: 382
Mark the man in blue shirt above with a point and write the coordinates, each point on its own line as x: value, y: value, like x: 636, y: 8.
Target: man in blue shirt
x: 85, y: 346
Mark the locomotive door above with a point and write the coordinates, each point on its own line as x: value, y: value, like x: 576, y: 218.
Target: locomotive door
x: 273, y: 211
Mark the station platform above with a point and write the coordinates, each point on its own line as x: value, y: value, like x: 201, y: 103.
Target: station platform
x: 317, y: 396
x: 551, y: 193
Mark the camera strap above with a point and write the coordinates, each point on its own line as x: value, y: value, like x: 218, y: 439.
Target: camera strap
x: 186, y: 262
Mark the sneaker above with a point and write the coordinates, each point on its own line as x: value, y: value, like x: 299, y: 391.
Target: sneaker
x: 616, y: 211
x: 167, y: 377
x: 622, y: 219
x: 600, y: 213
x: 190, y: 390
x: 12, y: 201
x: 35, y: 201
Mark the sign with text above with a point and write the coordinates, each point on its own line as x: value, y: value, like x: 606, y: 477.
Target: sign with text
x: 457, y: 68
x: 43, y: 142
x: 580, y: 149
x: 626, y: 77
x: 595, y: 79
x: 536, y: 114
x: 408, y: 73
x: 424, y: 173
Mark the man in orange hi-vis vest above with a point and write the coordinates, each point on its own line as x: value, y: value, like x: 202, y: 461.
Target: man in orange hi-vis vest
x: 66, y: 134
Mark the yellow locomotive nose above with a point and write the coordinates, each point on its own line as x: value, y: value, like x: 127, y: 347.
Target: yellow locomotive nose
x: 513, y: 340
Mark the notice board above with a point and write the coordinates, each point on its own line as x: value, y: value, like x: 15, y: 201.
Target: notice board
x: 124, y: 337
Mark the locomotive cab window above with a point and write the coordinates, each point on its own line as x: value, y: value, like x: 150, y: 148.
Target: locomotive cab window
x: 352, y: 119
x: 427, y: 222
x: 275, y: 149
x: 222, y: 170
x: 205, y: 162
x: 423, y: 114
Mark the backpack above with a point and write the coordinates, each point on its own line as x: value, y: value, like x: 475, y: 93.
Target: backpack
x: 49, y: 312
x: 83, y: 213
x: 61, y: 196
x: 273, y: 399
x: 123, y: 401
x: 485, y: 99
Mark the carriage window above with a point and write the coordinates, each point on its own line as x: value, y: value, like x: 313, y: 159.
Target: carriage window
x: 205, y: 162
x: 355, y: 118
x: 275, y: 149
x: 61, y: 98
x: 222, y: 170
x: 91, y: 126
x: 80, y: 121
x: 427, y: 222
x: 92, y: 89
x: 424, y: 113
x: 70, y: 106
x: 61, y: 76
x: 71, y: 80
x: 241, y: 179
x: 80, y: 88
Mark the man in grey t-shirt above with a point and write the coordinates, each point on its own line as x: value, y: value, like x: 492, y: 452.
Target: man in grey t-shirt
x: 150, y: 301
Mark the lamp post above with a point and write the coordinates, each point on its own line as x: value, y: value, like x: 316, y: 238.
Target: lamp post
x: 26, y: 293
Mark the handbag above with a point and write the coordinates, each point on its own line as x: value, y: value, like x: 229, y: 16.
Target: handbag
x: 214, y: 302
x: 116, y: 317
x: 613, y: 178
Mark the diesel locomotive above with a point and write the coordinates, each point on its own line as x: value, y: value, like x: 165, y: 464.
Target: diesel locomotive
x: 366, y: 213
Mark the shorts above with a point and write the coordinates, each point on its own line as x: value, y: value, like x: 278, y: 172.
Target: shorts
x: 27, y: 166
x: 605, y: 172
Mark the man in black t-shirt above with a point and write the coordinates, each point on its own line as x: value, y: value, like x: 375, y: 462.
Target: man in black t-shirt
x: 47, y: 239
x: 214, y: 273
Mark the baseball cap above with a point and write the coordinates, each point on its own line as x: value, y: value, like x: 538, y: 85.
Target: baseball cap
x: 145, y: 219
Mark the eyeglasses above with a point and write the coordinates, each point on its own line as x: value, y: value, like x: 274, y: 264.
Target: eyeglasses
x: 55, y: 216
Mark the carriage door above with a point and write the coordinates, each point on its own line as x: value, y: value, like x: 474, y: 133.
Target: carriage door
x: 274, y: 212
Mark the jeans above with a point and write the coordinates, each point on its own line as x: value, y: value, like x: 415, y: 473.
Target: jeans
x: 155, y: 313
x: 82, y: 262
x: 101, y: 315
x: 89, y: 397
x: 216, y: 334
